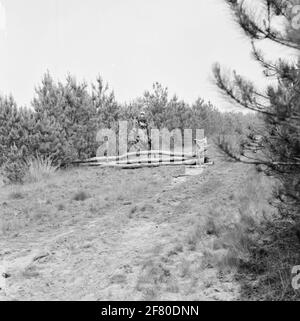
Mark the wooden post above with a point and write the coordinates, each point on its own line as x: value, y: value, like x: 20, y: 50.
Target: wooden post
x: 201, y: 147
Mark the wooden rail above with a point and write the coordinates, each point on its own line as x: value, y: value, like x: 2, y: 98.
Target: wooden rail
x: 152, y: 158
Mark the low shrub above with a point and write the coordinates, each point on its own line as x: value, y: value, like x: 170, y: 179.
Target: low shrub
x: 231, y: 144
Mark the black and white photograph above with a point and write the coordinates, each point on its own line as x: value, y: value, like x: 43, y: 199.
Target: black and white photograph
x: 149, y: 152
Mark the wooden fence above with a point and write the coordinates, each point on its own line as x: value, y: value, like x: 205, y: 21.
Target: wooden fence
x: 151, y: 158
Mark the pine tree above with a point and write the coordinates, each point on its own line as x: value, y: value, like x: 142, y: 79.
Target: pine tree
x: 107, y: 109
x: 155, y: 103
x: 68, y: 108
x: 279, y: 106
x: 15, y: 128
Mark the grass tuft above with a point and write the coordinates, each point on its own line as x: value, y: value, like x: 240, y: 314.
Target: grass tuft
x: 39, y: 168
x: 16, y: 195
x: 81, y: 196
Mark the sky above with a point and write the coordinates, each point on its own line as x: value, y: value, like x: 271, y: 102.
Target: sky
x: 130, y: 43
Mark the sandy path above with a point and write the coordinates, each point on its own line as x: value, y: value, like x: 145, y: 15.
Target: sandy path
x: 124, y: 255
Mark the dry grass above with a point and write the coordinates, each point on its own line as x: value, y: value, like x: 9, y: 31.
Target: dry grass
x: 81, y: 196
x: 16, y: 195
x: 194, y: 237
x: 39, y: 168
x: 233, y: 231
x: 172, y: 249
x: 250, y: 240
x: 273, y: 255
x: 155, y: 278
x: 61, y: 207
x: 231, y: 144
x: 51, y: 199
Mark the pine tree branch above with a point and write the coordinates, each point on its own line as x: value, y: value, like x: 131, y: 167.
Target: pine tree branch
x: 229, y: 92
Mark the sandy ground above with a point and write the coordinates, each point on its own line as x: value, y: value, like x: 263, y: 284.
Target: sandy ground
x: 130, y: 239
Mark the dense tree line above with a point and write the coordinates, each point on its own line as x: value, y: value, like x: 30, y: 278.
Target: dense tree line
x: 63, y: 120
